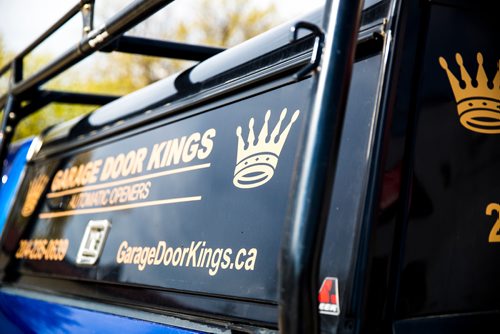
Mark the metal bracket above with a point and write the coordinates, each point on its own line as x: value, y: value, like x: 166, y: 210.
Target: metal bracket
x: 319, y: 38
x: 93, y: 242
x: 87, y: 11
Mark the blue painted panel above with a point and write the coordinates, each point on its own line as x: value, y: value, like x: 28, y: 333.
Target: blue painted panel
x: 12, y: 171
x: 25, y: 315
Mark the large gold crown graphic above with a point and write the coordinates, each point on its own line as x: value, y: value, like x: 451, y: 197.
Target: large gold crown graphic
x: 35, y: 190
x: 478, y: 103
x: 256, y: 163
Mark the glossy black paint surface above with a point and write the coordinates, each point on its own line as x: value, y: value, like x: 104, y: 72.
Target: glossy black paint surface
x: 427, y: 243
x: 407, y: 235
x: 449, y: 264
x: 486, y: 323
x: 225, y: 217
x: 339, y: 250
x: 199, y: 307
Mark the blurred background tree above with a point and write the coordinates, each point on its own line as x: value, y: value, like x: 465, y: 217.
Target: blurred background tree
x: 4, y: 57
x: 222, y: 23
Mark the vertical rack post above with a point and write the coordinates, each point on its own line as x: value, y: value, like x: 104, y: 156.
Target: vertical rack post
x: 308, y: 208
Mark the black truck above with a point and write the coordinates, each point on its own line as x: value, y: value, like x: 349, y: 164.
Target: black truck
x: 335, y: 174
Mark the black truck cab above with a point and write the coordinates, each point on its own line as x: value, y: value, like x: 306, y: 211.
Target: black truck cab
x: 335, y: 174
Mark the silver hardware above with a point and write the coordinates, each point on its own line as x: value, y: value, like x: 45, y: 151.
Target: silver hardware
x: 93, y: 242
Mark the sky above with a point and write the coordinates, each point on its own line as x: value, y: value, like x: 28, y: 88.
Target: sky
x: 21, y: 21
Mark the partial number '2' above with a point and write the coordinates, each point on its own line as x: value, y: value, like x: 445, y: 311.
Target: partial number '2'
x: 495, y: 231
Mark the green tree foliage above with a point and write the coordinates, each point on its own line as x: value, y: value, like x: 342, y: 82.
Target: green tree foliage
x: 223, y: 23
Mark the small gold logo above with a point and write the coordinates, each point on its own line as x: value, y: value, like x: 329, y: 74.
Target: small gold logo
x: 256, y: 163
x: 478, y: 103
x: 35, y: 190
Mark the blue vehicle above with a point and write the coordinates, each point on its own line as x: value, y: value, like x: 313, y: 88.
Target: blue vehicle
x: 336, y: 174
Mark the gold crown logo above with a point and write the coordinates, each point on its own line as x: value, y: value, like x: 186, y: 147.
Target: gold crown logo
x: 256, y: 163
x: 35, y: 190
x: 478, y: 104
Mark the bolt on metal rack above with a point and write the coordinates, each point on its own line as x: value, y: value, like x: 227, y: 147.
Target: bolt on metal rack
x: 25, y: 95
x: 306, y: 219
